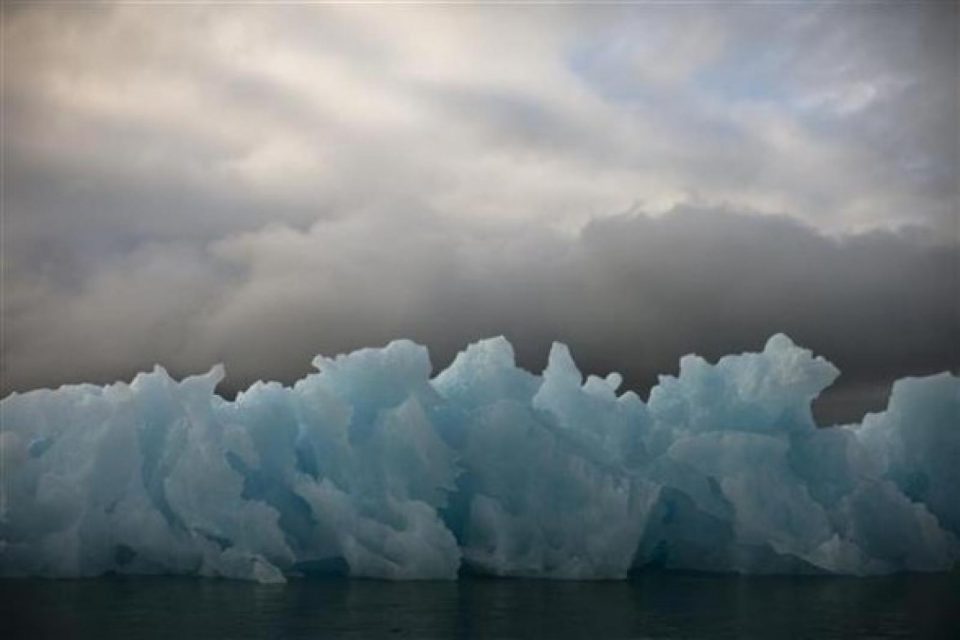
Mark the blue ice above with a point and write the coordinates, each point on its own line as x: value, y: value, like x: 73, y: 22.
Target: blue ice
x: 372, y: 468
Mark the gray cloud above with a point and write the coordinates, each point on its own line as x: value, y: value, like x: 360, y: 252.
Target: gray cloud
x: 630, y: 293
x: 248, y: 184
x: 165, y: 121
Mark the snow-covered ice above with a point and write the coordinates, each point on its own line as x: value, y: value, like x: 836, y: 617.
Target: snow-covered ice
x: 372, y: 468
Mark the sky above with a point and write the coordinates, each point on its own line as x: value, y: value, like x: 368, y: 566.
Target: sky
x: 254, y: 184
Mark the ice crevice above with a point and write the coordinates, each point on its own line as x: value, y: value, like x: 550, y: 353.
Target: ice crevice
x: 371, y: 468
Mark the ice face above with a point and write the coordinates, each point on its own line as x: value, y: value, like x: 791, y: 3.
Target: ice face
x: 371, y: 468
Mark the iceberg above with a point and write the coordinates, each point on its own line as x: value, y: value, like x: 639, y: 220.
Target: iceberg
x: 372, y: 468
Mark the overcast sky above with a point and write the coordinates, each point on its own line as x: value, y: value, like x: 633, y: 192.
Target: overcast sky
x: 255, y: 184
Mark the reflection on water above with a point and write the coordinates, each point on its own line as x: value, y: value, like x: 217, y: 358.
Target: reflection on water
x: 650, y: 605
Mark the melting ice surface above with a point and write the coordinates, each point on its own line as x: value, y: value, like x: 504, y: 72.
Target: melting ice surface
x: 371, y: 468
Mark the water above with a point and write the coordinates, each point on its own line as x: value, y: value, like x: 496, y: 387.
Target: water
x: 649, y: 606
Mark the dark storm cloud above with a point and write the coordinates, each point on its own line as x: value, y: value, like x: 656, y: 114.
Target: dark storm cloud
x: 634, y: 292
x: 630, y: 293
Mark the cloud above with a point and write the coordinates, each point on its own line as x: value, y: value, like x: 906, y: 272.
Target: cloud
x: 629, y: 293
x: 187, y: 184
x: 214, y: 120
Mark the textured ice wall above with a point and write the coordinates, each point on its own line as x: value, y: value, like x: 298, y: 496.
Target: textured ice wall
x: 371, y: 468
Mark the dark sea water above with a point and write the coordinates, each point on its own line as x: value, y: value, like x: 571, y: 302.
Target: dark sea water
x: 654, y: 605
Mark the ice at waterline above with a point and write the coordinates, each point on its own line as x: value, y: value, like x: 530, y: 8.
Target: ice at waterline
x: 371, y: 468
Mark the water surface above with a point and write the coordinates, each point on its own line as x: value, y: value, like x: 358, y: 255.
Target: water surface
x: 652, y: 605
